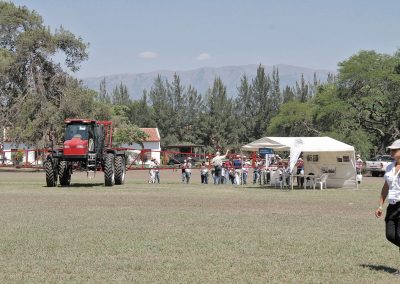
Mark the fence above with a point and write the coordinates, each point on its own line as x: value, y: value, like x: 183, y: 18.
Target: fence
x: 136, y: 159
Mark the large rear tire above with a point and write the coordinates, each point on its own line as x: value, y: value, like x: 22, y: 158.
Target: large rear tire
x: 109, y: 170
x: 64, y: 173
x: 51, y: 176
x: 120, y: 170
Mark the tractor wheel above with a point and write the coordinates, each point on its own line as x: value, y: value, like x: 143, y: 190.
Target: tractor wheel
x: 109, y: 170
x: 120, y: 170
x: 51, y: 176
x: 64, y: 173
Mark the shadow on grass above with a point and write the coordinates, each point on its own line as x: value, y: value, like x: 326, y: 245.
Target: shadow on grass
x: 99, y: 184
x: 86, y: 184
x: 382, y: 268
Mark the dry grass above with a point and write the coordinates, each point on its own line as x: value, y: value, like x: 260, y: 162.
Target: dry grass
x: 174, y: 232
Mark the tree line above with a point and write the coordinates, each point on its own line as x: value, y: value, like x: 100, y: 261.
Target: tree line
x: 215, y: 119
x: 358, y: 105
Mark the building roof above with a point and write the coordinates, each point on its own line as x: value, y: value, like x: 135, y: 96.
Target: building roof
x: 154, y: 135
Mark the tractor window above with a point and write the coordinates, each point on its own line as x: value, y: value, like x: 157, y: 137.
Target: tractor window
x: 76, y: 131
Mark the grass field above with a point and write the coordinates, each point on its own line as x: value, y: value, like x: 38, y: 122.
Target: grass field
x: 178, y: 233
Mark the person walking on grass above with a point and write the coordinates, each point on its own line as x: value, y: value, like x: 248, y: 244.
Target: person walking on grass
x: 391, y: 190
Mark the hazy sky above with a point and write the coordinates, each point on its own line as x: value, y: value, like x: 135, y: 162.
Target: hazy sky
x: 142, y: 36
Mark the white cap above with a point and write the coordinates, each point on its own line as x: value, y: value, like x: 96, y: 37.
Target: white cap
x: 395, y: 145
x: 218, y: 153
x: 358, y: 156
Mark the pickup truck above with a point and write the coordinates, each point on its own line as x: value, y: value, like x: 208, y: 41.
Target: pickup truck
x: 377, y: 166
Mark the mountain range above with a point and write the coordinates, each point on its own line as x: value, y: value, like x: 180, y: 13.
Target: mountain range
x: 202, y: 78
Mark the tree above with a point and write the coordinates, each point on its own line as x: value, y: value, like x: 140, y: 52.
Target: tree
x: 32, y: 85
x: 336, y: 118
x: 369, y: 82
x: 288, y: 94
x: 162, y: 110
x: 104, y: 97
x: 262, y: 104
x: 221, y: 122
x: 293, y: 119
x: 120, y: 95
x: 141, y: 113
x: 302, y: 90
x: 244, y: 106
x: 127, y: 133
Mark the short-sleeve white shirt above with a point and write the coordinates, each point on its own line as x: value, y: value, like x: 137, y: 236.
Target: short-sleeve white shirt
x: 393, y: 180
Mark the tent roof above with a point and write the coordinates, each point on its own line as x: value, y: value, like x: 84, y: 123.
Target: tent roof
x: 307, y: 144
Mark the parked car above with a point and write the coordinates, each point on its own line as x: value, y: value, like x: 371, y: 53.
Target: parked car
x: 377, y: 166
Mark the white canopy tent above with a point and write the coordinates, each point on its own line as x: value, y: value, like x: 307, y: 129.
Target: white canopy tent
x: 320, y: 155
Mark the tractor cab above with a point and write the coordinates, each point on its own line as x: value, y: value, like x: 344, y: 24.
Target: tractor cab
x: 79, y: 138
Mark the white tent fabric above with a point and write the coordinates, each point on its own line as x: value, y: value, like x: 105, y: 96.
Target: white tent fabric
x: 310, y: 144
x: 295, y: 152
x: 320, y: 155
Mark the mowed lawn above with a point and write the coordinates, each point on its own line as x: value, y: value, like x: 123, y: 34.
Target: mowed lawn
x: 177, y: 233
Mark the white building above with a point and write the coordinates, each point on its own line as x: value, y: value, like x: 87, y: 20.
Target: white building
x: 152, y: 144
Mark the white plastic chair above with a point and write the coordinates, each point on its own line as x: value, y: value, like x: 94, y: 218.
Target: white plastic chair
x: 321, y: 181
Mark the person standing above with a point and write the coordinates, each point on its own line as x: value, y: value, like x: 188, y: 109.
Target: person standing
x: 245, y: 170
x: 156, y: 171
x: 237, y: 165
x: 188, y: 169
x: 183, y: 167
x: 258, y: 171
x: 152, y: 172
x: 204, y: 173
x: 391, y: 190
x: 359, y: 164
x: 217, y: 163
x: 300, y: 171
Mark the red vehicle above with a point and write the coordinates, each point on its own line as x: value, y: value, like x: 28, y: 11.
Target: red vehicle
x: 87, y: 145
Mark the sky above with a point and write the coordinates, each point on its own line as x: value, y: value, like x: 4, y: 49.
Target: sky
x: 151, y: 35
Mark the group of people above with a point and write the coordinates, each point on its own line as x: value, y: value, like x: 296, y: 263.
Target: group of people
x: 234, y: 169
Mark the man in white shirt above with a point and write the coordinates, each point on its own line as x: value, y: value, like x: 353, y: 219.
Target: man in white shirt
x: 217, y: 163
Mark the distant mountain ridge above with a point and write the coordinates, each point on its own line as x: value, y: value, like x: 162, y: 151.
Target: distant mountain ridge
x: 202, y: 78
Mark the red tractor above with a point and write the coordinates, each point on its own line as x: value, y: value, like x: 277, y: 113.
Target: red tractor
x: 87, y: 146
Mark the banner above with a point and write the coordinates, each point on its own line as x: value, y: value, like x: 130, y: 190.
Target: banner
x: 295, y: 152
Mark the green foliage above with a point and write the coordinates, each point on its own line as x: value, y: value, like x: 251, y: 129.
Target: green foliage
x: 127, y: 133
x: 293, y: 119
x: 120, y: 95
x: 32, y: 85
x: 17, y: 156
x: 369, y: 83
x: 103, y: 96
